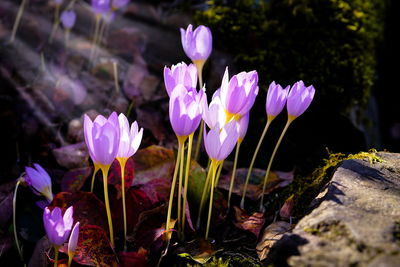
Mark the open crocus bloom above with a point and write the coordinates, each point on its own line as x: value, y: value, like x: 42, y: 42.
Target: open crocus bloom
x: 239, y: 93
x: 68, y: 18
x: 57, y: 226
x: 219, y: 142
x: 243, y: 124
x: 299, y: 99
x: 180, y: 74
x: 276, y: 99
x: 39, y: 181
x: 102, y: 138
x: 130, y: 137
x: 214, y: 113
x: 185, y: 109
x: 197, y: 44
x: 117, y: 4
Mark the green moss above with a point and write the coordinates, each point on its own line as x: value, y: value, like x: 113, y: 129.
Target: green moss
x: 330, y: 44
x: 216, y: 262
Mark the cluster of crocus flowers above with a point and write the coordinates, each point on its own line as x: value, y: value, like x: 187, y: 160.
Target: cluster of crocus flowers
x: 108, y: 139
x: 58, y: 228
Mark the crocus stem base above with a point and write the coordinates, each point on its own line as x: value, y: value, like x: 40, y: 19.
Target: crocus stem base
x: 214, y: 166
x: 246, y: 183
x: 70, y: 257
x: 185, y: 187
x: 181, y: 140
x: 56, y: 255
x: 18, y: 20
x: 105, y: 169
x: 122, y: 163
x: 289, y: 121
x: 203, y: 196
x: 233, y: 173
x: 171, y: 194
x: 96, y: 32
x: 55, y: 23
x: 199, y: 139
x: 218, y: 175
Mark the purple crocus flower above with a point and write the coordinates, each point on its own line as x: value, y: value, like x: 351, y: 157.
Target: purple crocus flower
x: 219, y: 142
x: 39, y: 181
x: 185, y: 109
x: 57, y: 227
x: 58, y: 2
x: 180, y: 74
x: 276, y: 99
x: 239, y: 93
x: 100, y: 7
x: 197, y: 44
x: 117, y: 4
x: 214, y: 113
x: 102, y: 138
x: 73, y: 239
x: 68, y: 18
x: 130, y: 137
x: 243, y: 124
x: 299, y: 99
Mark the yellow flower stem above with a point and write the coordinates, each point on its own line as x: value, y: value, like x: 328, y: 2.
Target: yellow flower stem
x: 66, y: 40
x: 199, y: 66
x: 105, y: 169
x: 269, y: 120
x: 214, y: 166
x: 70, y: 257
x: 96, y: 32
x: 233, y: 172
x: 18, y: 20
x: 19, y: 248
x: 96, y: 169
x: 185, y: 187
x: 289, y: 121
x: 203, y: 197
x: 218, y: 173
x: 173, y: 184
x: 55, y: 23
x: 56, y: 255
x: 122, y: 163
x: 181, y: 140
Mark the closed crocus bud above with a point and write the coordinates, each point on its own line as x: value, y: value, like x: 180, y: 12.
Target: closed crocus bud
x: 180, y: 74
x: 102, y: 138
x: 299, y: 99
x: 197, y: 44
x: 214, y: 113
x: 39, y: 181
x: 73, y: 239
x: 219, y: 142
x: 117, y: 4
x: 100, y: 7
x: 185, y: 109
x: 57, y: 226
x: 68, y: 18
x: 243, y: 124
x: 276, y: 99
x: 239, y: 93
x: 130, y: 137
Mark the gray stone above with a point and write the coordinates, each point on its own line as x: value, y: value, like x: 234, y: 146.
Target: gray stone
x: 357, y: 220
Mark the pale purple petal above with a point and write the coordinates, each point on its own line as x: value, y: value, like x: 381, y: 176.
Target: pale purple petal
x: 73, y: 239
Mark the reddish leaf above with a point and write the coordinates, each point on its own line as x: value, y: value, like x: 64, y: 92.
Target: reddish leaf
x: 134, y: 258
x: 252, y: 223
x: 157, y: 190
x: 153, y: 162
x: 114, y: 175
x: 74, y: 179
x: 72, y: 156
x: 287, y: 208
x: 137, y: 201
x: 94, y: 247
x: 254, y: 189
x: 270, y: 236
x: 88, y: 209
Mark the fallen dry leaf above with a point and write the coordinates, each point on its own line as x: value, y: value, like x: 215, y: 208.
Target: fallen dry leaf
x: 252, y: 223
x: 270, y: 236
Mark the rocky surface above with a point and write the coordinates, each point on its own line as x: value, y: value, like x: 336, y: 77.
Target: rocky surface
x: 356, y: 221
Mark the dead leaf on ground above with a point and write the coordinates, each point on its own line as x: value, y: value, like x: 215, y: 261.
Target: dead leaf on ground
x: 252, y: 223
x: 270, y: 236
x: 198, y: 250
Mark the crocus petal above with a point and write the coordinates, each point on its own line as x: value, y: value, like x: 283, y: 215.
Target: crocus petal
x: 73, y: 239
